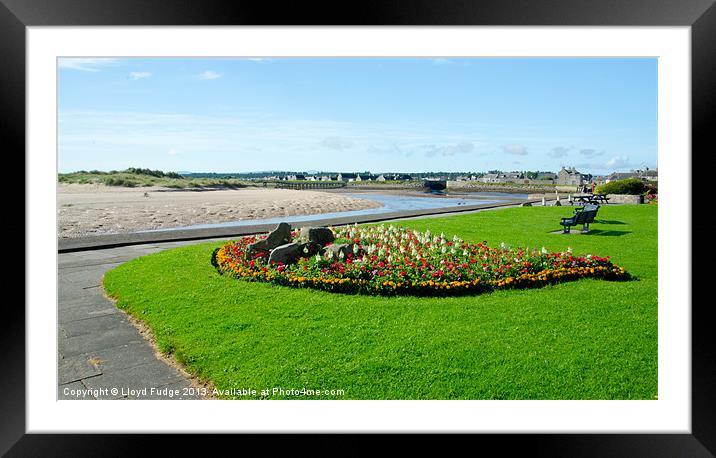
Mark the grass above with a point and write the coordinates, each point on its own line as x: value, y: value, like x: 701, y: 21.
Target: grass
x: 138, y: 180
x: 588, y: 339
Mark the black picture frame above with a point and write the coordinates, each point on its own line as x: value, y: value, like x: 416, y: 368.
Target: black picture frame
x: 700, y: 15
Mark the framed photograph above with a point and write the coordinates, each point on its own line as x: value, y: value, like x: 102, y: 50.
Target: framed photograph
x: 420, y: 219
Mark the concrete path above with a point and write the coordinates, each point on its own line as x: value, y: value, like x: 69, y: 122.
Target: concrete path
x: 100, y: 351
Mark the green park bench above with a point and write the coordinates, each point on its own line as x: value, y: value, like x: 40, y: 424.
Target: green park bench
x: 583, y: 216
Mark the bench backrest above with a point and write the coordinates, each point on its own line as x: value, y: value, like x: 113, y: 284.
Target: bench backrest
x: 580, y: 217
x: 586, y: 215
x: 590, y: 214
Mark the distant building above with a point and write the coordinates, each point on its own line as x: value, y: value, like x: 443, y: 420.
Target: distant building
x: 649, y: 175
x: 569, y: 177
x: 491, y: 178
x: 398, y: 177
x: 644, y: 175
x: 510, y: 177
x: 513, y: 176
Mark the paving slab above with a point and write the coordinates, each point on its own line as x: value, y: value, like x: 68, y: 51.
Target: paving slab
x: 95, y: 325
x: 70, y: 263
x: 86, y: 311
x: 121, y: 357
x: 85, y: 278
x: 76, y: 297
x: 75, y: 369
x: 80, y: 298
x: 73, y: 346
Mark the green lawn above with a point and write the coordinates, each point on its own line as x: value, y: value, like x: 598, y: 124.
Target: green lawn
x: 588, y: 339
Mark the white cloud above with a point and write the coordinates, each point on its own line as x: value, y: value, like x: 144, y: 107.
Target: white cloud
x: 86, y: 64
x: 515, y: 148
x: 559, y: 151
x: 619, y: 162
x: 448, y: 150
x: 209, y: 75
x: 259, y: 59
x: 590, y: 152
x: 336, y: 143
x: 172, y: 152
x: 139, y: 75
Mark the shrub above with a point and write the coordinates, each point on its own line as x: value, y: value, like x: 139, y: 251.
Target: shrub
x: 631, y: 186
x: 651, y: 188
x: 114, y: 181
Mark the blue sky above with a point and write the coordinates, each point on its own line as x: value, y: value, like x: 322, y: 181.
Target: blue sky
x: 356, y: 114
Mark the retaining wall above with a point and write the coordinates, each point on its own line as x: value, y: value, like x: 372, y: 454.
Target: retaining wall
x: 625, y: 199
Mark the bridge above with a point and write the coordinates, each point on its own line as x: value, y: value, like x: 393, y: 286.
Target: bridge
x: 305, y: 184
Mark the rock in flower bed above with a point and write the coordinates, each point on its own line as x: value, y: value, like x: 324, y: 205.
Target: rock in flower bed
x: 399, y: 261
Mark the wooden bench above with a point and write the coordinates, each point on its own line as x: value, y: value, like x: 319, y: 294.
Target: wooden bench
x: 582, y: 216
x: 591, y: 199
x: 600, y: 198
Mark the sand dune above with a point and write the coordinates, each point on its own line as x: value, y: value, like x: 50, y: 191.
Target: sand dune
x: 97, y: 209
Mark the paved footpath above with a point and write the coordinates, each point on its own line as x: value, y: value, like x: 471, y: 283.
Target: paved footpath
x: 99, y: 349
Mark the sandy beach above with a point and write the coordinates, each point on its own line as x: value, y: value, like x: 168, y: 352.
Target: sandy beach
x: 98, y: 209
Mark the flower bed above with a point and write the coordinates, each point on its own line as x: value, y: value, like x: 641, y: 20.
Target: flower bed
x: 399, y: 261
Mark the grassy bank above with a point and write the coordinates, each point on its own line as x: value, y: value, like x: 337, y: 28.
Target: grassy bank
x: 588, y: 339
x: 129, y: 179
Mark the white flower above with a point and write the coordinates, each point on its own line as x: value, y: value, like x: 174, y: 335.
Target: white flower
x: 318, y: 258
x: 544, y: 250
